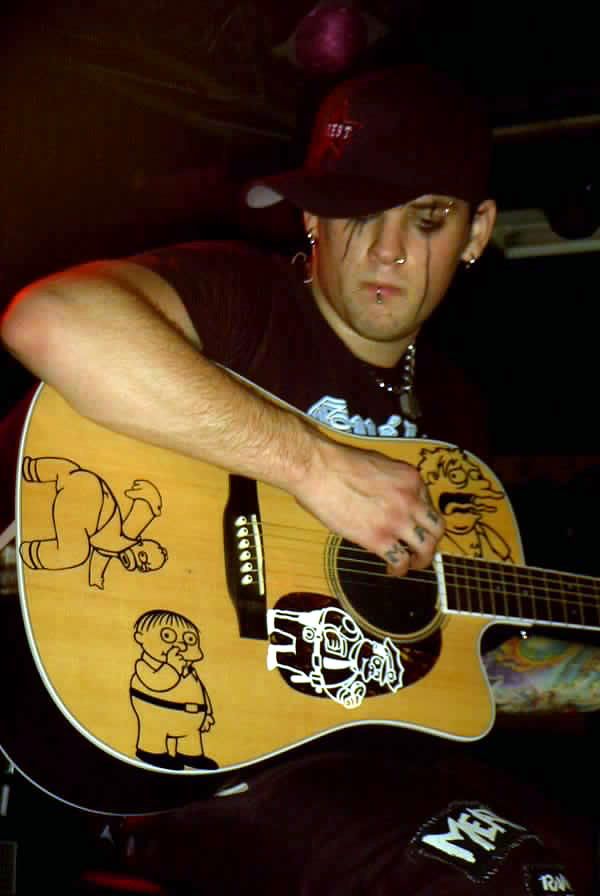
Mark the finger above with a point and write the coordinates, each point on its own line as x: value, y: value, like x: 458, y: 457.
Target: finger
x: 397, y: 558
x: 427, y: 516
x: 427, y: 509
x: 421, y: 545
x: 434, y: 518
x: 426, y: 524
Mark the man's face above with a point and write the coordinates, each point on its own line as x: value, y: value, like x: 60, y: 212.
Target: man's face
x: 371, y: 300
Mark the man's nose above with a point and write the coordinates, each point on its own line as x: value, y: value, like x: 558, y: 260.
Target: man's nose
x: 389, y: 244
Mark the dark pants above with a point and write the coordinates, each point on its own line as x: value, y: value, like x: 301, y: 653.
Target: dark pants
x: 343, y: 824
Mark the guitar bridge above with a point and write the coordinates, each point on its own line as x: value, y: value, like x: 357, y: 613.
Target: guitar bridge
x: 244, y: 558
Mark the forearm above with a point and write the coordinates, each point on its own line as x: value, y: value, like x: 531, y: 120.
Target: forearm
x: 118, y: 361
x: 117, y: 343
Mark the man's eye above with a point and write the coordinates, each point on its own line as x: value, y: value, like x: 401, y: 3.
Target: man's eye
x: 431, y: 217
x: 364, y: 219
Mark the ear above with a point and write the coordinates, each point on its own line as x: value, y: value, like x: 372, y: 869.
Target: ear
x: 311, y: 222
x: 482, y: 227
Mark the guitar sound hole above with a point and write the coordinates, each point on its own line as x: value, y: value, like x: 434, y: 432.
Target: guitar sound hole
x: 399, y: 607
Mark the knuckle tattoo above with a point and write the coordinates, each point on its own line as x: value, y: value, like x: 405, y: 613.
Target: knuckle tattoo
x: 394, y: 553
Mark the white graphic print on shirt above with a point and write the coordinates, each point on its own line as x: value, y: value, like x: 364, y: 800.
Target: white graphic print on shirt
x: 334, y: 412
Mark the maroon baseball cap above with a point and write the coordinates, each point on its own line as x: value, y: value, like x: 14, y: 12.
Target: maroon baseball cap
x: 383, y: 139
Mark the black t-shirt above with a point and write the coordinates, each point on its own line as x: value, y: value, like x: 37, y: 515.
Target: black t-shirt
x: 256, y: 317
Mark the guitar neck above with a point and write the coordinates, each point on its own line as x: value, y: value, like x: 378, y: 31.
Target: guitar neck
x: 520, y: 594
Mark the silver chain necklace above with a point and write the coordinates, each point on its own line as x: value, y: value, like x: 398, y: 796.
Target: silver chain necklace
x: 404, y: 390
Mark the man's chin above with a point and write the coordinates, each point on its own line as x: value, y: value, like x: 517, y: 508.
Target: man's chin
x: 384, y: 332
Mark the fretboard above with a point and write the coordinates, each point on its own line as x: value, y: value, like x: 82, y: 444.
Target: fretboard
x: 521, y: 594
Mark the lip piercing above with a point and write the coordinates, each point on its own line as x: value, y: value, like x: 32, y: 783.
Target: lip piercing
x: 378, y: 297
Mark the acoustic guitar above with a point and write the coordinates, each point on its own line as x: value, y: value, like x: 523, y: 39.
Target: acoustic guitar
x: 188, y: 623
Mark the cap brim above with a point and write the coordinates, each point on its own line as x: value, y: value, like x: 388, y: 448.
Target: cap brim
x: 341, y: 196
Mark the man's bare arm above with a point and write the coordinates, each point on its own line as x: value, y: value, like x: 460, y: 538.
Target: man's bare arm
x: 123, y: 352
x: 116, y: 341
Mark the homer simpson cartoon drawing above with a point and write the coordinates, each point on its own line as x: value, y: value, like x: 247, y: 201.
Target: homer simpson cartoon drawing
x: 89, y: 525
x: 168, y: 697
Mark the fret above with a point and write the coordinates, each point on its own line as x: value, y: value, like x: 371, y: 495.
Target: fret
x: 527, y: 595
x: 558, y: 603
x: 474, y: 581
x: 513, y: 604
x: 453, y: 593
x: 521, y: 605
x: 546, y: 601
x: 547, y: 605
x: 457, y: 575
x: 467, y: 583
x: 574, y: 600
x: 591, y: 605
x: 462, y: 583
x: 478, y: 597
x: 513, y: 590
x: 488, y: 593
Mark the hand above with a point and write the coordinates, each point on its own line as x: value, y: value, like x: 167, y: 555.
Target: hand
x: 207, y: 724
x: 142, y: 490
x: 176, y: 659
x: 374, y: 501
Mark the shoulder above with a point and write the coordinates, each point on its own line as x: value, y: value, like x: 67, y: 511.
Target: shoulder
x: 209, y: 256
x: 215, y: 283
x: 210, y: 273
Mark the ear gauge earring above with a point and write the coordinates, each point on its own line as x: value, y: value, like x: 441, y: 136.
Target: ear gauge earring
x: 308, y: 277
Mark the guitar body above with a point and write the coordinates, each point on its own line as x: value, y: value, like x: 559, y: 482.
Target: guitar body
x: 188, y: 623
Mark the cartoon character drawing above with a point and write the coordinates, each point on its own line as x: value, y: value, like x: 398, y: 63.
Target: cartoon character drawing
x: 324, y: 651
x: 89, y: 526
x: 169, y: 699
x: 464, y: 496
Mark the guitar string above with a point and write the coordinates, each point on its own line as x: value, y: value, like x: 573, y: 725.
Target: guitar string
x: 517, y: 570
x: 449, y: 559
x: 371, y: 580
x: 482, y: 567
x: 454, y: 578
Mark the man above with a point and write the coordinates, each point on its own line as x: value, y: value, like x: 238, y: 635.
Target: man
x: 394, y: 199
x: 122, y: 341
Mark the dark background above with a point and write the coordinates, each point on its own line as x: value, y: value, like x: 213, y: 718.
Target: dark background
x: 132, y: 124
x: 126, y: 125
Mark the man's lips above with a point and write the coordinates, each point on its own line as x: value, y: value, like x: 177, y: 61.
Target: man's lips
x: 385, y: 290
